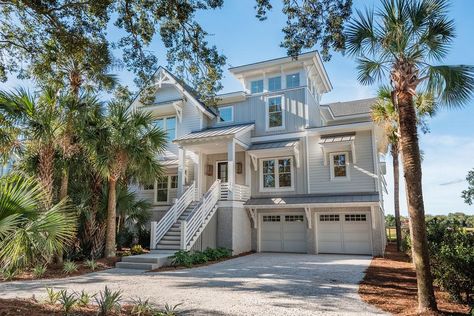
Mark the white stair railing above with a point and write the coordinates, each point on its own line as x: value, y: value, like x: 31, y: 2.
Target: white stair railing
x: 200, y: 216
x: 239, y: 192
x: 158, y: 230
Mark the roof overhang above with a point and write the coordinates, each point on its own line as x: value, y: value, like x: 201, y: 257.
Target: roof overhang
x: 341, y: 142
x: 275, y: 149
x: 215, y: 134
x: 231, y: 97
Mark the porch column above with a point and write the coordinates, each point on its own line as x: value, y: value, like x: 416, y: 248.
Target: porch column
x: 199, y: 168
x: 248, y: 170
x: 181, y: 170
x: 231, y: 168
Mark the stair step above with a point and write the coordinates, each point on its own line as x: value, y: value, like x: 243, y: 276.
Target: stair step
x: 137, y: 266
x: 167, y: 247
x: 171, y: 237
x: 173, y: 233
x: 168, y: 242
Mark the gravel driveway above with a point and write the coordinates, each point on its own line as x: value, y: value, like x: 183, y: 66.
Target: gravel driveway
x: 258, y: 284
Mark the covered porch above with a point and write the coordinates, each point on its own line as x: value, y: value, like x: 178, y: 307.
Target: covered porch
x: 216, y: 154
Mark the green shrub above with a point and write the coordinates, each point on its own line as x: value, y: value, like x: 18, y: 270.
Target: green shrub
x: 67, y: 301
x: 452, y: 258
x: 91, y: 264
x: 224, y: 252
x: 39, y: 271
x: 169, y: 310
x: 53, y: 296
x: 199, y: 257
x: 69, y: 267
x: 212, y: 254
x: 137, y: 250
x: 142, y: 307
x: 108, y: 301
x: 84, y: 298
x: 9, y: 273
x: 182, y: 258
x: 125, y: 254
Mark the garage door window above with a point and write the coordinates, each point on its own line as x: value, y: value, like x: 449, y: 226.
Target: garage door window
x: 294, y: 218
x: 329, y: 218
x: 355, y: 217
x: 271, y: 218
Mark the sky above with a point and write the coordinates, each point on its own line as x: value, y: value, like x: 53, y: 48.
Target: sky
x: 448, y: 149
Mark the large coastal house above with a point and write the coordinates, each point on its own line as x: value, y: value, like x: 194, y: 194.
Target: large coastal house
x: 270, y: 169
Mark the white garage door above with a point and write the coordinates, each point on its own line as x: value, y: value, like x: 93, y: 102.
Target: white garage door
x: 344, y: 233
x: 283, y: 233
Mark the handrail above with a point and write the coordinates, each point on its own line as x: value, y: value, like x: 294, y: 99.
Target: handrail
x: 239, y: 192
x: 158, y: 230
x: 200, y: 215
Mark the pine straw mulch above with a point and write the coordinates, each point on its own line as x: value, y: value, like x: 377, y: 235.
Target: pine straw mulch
x: 29, y: 307
x: 390, y: 284
x: 55, y: 271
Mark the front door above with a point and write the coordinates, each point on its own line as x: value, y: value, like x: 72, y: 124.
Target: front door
x: 222, y: 171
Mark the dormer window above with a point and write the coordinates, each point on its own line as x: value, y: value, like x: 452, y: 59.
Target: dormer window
x: 274, y: 84
x: 293, y: 80
x: 256, y: 86
x: 226, y: 114
x: 168, y: 124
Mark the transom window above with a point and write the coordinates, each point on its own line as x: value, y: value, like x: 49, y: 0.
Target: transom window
x: 275, y: 113
x: 168, y: 124
x: 271, y: 218
x: 293, y: 80
x: 355, y: 217
x: 226, y: 114
x: 277, y: 174
x: 256, y: 86
x: 294, y: 218
x: 274, y: 84
x: 339, y: 163
x: 149, y: 186
x: 329, y: 218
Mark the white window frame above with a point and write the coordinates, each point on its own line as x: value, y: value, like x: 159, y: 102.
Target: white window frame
x: 331, y: 164
x: 267, y: 113
x: 225, y: 107
x: 263, y: 86
x: 277, y: 178
x: 169, y: 188
x: 272, y: 78
x: 165, y: 124
x: 293, y: 74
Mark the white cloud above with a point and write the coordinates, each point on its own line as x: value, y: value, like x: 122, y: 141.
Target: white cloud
x: 446, y: 161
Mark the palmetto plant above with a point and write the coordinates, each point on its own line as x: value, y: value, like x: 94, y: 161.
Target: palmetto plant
x: 127, y: 138
x: 401, y: 42
x: 384, y: 114
x: 29, y: 234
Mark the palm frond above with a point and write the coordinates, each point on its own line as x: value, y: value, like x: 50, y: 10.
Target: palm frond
x: 361, y: 37
x: 452, y: 85
x: 369, y: 71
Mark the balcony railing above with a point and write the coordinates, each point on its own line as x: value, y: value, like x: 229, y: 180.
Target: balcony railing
x: 239, y: 192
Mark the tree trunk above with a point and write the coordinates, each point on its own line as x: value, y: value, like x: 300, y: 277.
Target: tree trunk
x: 45, y: 173
x: 412, y: 172
x: 396, y: 194
x: 64, y: 183
x: 111, y: 220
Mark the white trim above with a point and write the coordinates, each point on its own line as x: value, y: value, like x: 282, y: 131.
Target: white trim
x: 217, y: 163
x: 165, y: 124
x: 315, y: 205
x: 219, y: 114
x: 267, y: 114
x: 347, y: 165
x: 277, y: 187
x: 306, y: 141
x: 168, y: 190
x: 255, y: 80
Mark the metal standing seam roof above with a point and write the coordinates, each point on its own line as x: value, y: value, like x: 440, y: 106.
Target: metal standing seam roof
x: 330, y: 139
x: 356, y: 107
x: 272, y: 145
x: 314, y: 199
x: 216, y: 132
x: 169, y: 162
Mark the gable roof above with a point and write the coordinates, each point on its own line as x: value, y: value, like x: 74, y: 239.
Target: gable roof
x: 349, y: 108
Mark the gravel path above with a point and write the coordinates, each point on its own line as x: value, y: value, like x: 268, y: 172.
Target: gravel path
x: 258, y: 284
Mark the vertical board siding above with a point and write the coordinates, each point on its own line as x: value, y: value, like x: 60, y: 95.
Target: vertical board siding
x: 167, y: 93
x: 208, y: 237
x: 360, y: 178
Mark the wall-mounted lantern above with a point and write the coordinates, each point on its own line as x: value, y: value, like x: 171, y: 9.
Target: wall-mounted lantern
x: 238, y: 168
x: 209, y: 170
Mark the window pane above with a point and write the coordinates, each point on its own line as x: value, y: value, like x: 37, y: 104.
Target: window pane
x: 225, y: 114
x: 171, y: 128
x: 339, y: 171
x: 268, y: 181
x: 162, y: 183
x: 285, y: 180
x: 275, y: 113
x: 275, y: 120
x: 162, y: 195
x: 293, y: 80
x: 148, y: 186
x: 284, y: 165
x: 269, y: 166
x: 274, y: 84
x: 160, y: 123
x: 256, y: 86
x: 174, y: 182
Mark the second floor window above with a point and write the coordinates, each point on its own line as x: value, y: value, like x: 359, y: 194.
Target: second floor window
x: 293, y: 80
x: 274, y: 84
x: 339, y: 166
x: 168, y: 124
x: 256, y: 86
x: 226, y: 114
x: 277, y: 174
x: 275, y: 114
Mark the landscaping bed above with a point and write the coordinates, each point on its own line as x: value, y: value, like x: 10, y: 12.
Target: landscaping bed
x: 390, y: 284
x: 56, y: 271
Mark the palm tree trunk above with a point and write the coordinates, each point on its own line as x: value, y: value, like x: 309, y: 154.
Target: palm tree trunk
x: 45, y: 173
x: 396, y: 193
x: 412, y: 172
x: 64, y: 183
x: 111, y: 220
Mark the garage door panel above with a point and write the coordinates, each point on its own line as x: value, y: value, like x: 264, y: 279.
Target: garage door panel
x: 330, y: 247
x: 283, y: 233
x: 272, y: 245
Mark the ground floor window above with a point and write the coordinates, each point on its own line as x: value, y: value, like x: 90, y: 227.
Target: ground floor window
x: 165, y: 188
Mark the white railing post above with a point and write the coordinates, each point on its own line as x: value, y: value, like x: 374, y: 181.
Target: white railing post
x: 153, y: 235
x: 183, y: 235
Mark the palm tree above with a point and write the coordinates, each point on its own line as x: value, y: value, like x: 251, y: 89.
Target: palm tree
x: 37, y: 118
x: 28, y: 233
x: 383, y: 113
x: 402, y: 40
x: 128, y: 139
